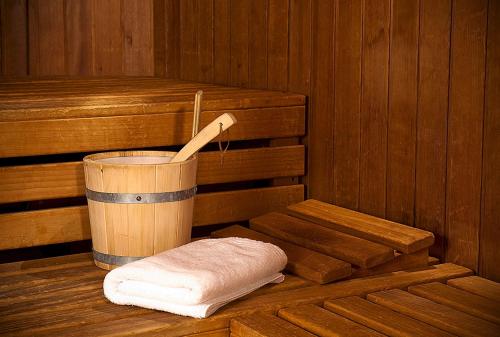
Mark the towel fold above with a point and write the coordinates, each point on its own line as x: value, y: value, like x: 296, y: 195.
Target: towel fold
x: 198, y: 278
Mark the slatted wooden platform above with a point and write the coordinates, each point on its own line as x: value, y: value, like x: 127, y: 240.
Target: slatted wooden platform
x: 63, y: 296
x: 48, y: 125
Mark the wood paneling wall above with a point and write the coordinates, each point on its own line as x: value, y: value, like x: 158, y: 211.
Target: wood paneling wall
x: 77, y: 37
x: 404, y: 111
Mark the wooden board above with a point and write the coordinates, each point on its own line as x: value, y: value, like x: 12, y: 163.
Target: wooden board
x: 92, y: 134
x: 459, y: 299
x: 301, y: 261
x: 438, y: 315
x: 465, y: 132
x: 47, y: 181
x: 418, y: 259
x: 262, y: 325
x: 345, y: 247
x: 67, y: 224
x: 403, y: 238
x: 379, y: 318
x: 479, y: 286
x: 324, y: 323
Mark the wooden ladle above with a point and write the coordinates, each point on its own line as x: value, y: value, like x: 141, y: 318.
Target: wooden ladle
x: 208, y: 133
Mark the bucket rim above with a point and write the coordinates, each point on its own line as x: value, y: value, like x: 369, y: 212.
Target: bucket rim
x: 95, y: 157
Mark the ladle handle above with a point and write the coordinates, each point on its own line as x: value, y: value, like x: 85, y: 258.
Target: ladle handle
x: 208, y: 133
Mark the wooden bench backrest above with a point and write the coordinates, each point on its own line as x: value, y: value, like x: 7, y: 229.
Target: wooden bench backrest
x: 56, y: 116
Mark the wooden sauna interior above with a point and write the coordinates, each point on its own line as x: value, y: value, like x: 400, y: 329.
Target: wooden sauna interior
x: 401, y: 97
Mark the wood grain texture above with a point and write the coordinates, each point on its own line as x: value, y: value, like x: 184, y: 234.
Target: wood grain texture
x: 14, y: 37
x: 205, y: 38
x: 433, y: 84
x: 324, y: 323
x: 465, y: 132
x: 277, y: 44
x: 379, y: 318
x: 117, y: 132
x: 474, y: 305
x: 402, y: 111
x: 222, y: 49
x: 320, y: 138
x: 108, y: 45
x: 68, y: 224
x: 47, y: 181
x: 303, y: 262
x: 375, y: 85
x: 348, y: 54
x: 257, y: 44
x: 262, y: 325
x: 306, y: 234
x: 438, y: 315
x: 479, y: 286
x: 299, y: 44
x: 488, y: 253
x: 397, y: 236
x: 239, y: 19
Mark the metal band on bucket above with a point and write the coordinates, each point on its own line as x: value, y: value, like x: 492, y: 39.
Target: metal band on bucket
x: 140, y: 198
x: 114, y: 259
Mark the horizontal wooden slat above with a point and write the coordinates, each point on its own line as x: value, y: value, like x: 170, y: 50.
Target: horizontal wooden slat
x: 400, y: 262
x: 303, y: 262
x: 48, y: 181
x: 403, y: 238
x: 324, y: 323
x: 342, y: 246
x: 479, y: 286
x: 265, y: 325
x: 33, y: 228
x: 380, y: 318
x: 28, y: 138
x: 462, y: 300
x: 438, y: 315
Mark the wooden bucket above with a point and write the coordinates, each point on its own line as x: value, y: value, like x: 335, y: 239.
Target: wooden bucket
x: 139, y: 204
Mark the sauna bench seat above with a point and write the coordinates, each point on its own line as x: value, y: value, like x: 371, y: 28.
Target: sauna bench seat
x: 62, y: 296
x: 48, y: 125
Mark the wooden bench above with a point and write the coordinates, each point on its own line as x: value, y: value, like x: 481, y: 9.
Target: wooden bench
x: 48, y: 125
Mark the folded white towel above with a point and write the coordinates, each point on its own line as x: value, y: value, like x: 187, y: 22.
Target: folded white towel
x: 198, y: 278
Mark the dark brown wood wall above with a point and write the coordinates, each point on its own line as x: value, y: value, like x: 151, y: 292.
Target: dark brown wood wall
x: 404, y: 111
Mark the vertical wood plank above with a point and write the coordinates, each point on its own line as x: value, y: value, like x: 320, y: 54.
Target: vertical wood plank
x: 14, y: 42
x: 189, y: 40
x: 46, y: 39
x: 160, y: 38
x: 257, y: 32
x: 107, y: 37
x: 402, y: 117
x: 430, y: 166
x: 277, y: 45
x: 206, y: 40
x: 172, y: 35
x: 222, y: 41
x: 239, y: 42
x: 465, y: 125
x: 137, y: 25
x: 78, y: 42
x: 490, y: 229
x: 348, y: 35
x: 299, y: 62
x: 321, y: 114
x: 375, y: 75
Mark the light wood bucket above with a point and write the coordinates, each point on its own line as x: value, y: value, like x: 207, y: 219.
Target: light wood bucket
x: 139, y: 204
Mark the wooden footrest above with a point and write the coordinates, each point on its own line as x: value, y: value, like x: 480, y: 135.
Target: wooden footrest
x: 265, y: 325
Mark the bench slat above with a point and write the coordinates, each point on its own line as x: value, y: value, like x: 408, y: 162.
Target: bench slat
x: 479, y: 286
x: 403, y: 238
x: 265, y: 325
x: 400, y: 262
x: 342, y: 246
x: 48, y: 181
x: 324, y: 323
x: 28, y: 138
x: 67, y: 224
